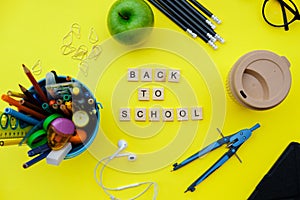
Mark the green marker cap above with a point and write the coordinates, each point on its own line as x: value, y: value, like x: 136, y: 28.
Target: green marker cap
x: 49, y: 119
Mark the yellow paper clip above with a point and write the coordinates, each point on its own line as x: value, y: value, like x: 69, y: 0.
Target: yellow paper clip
x: 67, y: 49
x: 68, y: 39
x: 93, y: 37
x: 83, y: 67
x: 80, y: 53
x: 95, y: 52
x: 75, y: 28
x: 37, y: 68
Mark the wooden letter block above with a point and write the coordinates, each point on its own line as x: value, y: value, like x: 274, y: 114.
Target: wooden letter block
x: 133, y: 75
x: 158, y: 94
x: 196, y: 113
x: 140, y: 114
x: 160, y: 75
x: 174, y: 76
x: 154, y: 114
x: 146, y: 74
x: 124, y: 114
x: 168, y: 115
x: 182, y: 114
x: 144, y: 94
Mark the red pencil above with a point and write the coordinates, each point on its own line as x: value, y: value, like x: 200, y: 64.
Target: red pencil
x: 25, y: 109
x: 35, y: 84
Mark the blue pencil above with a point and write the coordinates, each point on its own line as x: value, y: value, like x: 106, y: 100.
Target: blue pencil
x: 21, y: 116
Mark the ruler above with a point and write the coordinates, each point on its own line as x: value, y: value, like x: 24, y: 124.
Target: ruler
x: 11, y: 127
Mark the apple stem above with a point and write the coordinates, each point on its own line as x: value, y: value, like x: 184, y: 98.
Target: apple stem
x: 123, y: 16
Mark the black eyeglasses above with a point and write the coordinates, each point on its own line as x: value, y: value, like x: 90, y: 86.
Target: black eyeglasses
x: 272, y: 15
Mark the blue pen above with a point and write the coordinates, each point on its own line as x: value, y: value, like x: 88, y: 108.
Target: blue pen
x: 21, y: 116
x: 38, y: 150
x: 36, y: 159
x: 234, y: 141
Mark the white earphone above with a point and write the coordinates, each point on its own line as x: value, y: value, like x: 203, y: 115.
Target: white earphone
x: 122, y: 144
x: 130, y: 156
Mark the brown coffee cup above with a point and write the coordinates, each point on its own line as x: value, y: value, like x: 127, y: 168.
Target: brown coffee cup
x: 260, y: 79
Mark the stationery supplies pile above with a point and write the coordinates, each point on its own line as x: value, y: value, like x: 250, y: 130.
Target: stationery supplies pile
x: 191, y: 16
x: 58, y: 116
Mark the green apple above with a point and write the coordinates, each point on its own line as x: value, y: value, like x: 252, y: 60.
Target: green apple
x: 128, y: 21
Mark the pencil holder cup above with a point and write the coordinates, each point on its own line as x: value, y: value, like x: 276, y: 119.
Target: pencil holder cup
x: 260, y: 80
x: 74, y: 101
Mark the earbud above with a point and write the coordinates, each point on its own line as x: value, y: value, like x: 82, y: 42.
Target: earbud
x: 130, y: 156
x: 122, y: 144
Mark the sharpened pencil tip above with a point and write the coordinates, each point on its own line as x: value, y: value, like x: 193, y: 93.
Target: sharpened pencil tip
x: 25, y: 68
x: 22, y: 88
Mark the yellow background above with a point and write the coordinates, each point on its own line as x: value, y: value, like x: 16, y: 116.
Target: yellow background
x: 33, y: 30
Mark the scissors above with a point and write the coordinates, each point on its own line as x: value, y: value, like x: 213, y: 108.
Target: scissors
x: 233, y: 142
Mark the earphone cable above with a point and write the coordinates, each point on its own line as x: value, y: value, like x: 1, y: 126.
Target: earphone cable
x: 99, y: 181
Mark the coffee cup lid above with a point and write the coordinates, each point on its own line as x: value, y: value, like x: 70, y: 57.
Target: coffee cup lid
x: 260, y: 79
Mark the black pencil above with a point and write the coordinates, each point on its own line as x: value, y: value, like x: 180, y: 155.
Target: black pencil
x: 197, y: 13
x: 183, y: 8
x: 206, y: 11
x: 175, y: 17
x: 28, y: 95
x: 172, y: 18
x: 171, y: 5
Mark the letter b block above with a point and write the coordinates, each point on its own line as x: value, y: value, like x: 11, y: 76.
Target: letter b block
x: 133, y: 75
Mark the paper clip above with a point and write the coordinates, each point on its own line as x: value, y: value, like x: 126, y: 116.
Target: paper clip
x: 83, y: 66
x: 80, y: 53
x: 75, y: 28
x: 67, y: 49
x: 95, y: 52
x: 37, y: 68
x: 68, y: 39
x: 93, y: 37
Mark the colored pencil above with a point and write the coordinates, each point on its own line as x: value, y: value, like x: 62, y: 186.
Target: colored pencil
x: 28, y: 95
x: 35, y: 84
x: 64, y: 109
x: 16, y: 94
x: 30, y: 105
x: 16, y: 103
x: 21, y: 116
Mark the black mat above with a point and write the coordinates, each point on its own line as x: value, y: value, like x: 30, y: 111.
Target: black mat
x: 282, y: 182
